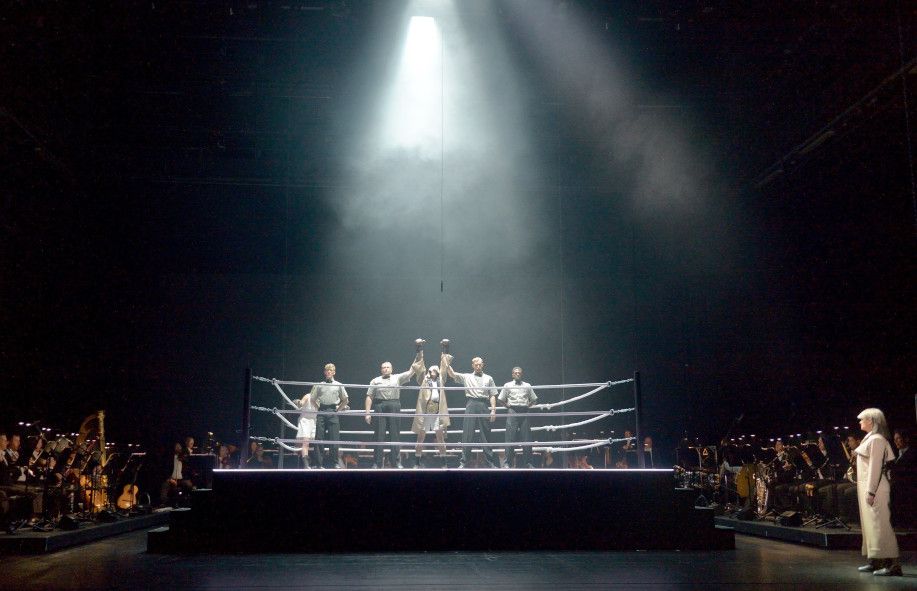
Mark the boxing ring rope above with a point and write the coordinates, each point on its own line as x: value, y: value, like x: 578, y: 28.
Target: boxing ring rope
x: 544, y: 446
x: 597, y: 387
x: 600, y: 415
x: 406, y: 387
x: 553, y: 446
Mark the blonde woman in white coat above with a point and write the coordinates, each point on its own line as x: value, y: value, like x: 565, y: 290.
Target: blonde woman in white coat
x: 879, y: 543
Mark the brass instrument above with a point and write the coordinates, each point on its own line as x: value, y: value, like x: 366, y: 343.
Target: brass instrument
x: 96, y: 494
x: 851, y: 474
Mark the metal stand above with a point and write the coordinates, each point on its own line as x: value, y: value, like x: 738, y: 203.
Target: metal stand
x: 246, y: 418
x: 638, y: 430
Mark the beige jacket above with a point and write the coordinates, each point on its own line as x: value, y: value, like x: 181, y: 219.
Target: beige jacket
x: 424, y: 405
x: 875, y: 520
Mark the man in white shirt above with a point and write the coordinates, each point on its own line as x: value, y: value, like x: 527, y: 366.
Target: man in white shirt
x: 479, y: 388
x: 384, y: 396
x: 331, y: 397
x: 518, y: 397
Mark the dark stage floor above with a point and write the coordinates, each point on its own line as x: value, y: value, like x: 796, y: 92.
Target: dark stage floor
x: 122, y: 562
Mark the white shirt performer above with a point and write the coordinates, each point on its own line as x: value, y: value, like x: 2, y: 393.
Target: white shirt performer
x: 879, y: 543
x: 518, y: 397
x: 330, y: 397
x: 384, y: 396
x: 305, y: 431
x: 479, y: 388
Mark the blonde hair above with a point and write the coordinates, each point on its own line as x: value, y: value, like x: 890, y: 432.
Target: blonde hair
x: 879, y: 425
x: 330, y: 366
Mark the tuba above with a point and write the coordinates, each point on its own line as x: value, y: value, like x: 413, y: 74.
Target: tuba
x: 87, y: 427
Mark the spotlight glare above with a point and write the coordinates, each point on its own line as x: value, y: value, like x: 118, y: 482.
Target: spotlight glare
x: 413, y: 120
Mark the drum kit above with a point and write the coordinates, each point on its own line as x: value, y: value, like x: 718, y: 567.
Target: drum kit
x: 696, y: 469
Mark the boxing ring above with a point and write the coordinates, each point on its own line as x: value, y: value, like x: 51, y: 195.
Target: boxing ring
x: 354, y: 445
x: 443, y: 508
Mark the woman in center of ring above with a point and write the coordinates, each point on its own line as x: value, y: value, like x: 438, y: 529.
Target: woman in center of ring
x: 430, y: 401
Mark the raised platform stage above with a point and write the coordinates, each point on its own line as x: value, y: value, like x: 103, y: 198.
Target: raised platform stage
x: 27, y: 541
x: 400, y: 510
x: 829, y: 539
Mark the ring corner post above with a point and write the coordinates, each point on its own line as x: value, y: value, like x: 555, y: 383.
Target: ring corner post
x: 638, y: 429
x: 246, y: 417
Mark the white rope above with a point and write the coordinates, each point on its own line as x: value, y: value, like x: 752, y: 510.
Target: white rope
x: 609, y: 413
x: 408, y: 387
x: 593, y: 445
x: 279, y: 413
x: 409, y: 444
x: 284, y: 394
x: 552, y: 449
x: 575, y: 398
x: 450, y: 431
x: 363, y: 413
x: 289, y: 447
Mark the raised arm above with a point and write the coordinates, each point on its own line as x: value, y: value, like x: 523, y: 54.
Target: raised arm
x: 445, y: 364
x: 419, y: 367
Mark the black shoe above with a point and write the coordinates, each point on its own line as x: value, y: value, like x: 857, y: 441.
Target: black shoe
x: 892, y: 568
x: 418, y: 462
x: 868, y: 568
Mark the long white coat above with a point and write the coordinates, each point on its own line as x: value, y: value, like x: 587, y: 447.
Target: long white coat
x: 875, y: 521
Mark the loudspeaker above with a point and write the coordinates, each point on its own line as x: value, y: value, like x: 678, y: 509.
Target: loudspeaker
x: 68, y: 522
x: 745, y: 514
x: 790, y: 519
x: 106, y: 516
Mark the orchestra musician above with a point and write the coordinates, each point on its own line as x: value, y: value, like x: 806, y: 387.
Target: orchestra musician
x: 257, y: 458
x: 782, y: 488
x: 626, y: 447
x: 835, y: 465
x: 904, y: 482
x: 811, y: 463
x: 179, y: 482
x: 5, y: 467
